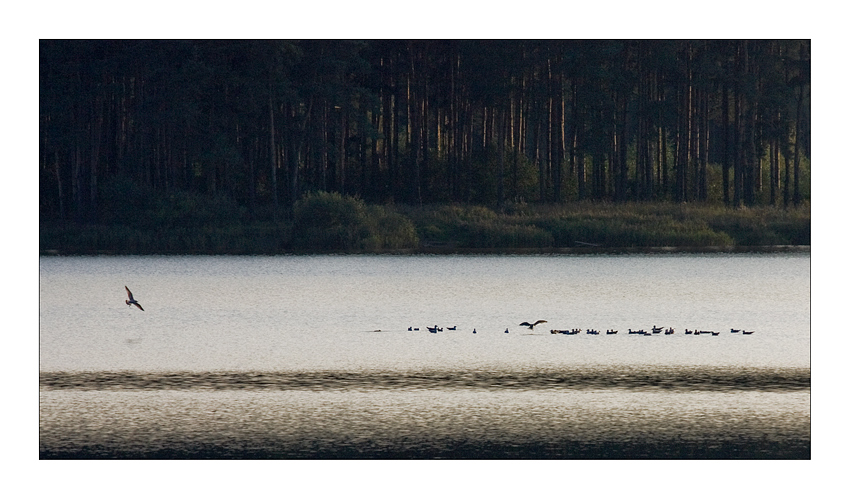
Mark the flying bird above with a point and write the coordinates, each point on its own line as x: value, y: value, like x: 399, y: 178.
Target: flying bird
x: 132, y: 301
x: 531, y: 326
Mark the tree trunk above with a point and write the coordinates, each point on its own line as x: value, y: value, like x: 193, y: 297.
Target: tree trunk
x: 797, y: 127
x: 787, y: 186
x: 253, y: 148
x: 738, y: 122
x: 774, y: 170
x: 341, y: 152
x: 375, y: 180
x: 703, y: 149
x: 622, y: 171
x: 726, y: 144
x: 500, y: 188
x: 95, y: 156
x: 426, y: 141
x: 59, y: 186
x: 76, y: 181
x: 272, y: 156
x: 322, y: 146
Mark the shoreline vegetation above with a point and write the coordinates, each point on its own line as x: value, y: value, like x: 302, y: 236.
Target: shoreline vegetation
x: 325, y: 223
x: 423, y: 146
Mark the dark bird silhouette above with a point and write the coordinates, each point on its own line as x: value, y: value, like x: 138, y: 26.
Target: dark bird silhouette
x: 132, y: 301
x: 531, y: 326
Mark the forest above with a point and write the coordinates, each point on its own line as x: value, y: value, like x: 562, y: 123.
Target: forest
x: 220, y: 133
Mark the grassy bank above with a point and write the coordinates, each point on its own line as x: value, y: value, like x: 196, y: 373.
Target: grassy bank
x: 325, y: 222
x: 629, y: 225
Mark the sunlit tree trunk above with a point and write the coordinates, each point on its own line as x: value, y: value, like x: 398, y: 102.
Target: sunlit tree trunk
x: 703, y: 148
x: 774, y: 170
x: 556, y: 132
x: 726, y: 142
x: 502, y: 137
x: 738, y: 167
x: 797, y: 129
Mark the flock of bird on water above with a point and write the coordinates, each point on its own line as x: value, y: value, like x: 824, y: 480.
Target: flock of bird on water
x: 655, y: 330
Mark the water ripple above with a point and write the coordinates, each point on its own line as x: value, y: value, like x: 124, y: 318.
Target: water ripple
x: 654, y: 378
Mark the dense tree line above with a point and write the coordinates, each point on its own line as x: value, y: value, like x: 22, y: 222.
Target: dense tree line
x: 423, y: 121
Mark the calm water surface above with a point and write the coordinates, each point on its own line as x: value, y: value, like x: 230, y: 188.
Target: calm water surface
x: 311, y: 357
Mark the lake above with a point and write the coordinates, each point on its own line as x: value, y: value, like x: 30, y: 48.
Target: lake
x: 316, y: 357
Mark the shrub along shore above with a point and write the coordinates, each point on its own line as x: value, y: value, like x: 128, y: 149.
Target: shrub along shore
x: 332, y: 223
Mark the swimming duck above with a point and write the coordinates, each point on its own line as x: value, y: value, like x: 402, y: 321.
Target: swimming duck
x: 132, y: 301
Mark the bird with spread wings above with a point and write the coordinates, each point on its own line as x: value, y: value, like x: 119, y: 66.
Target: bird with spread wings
x: 132, y: 301
x: 531, y: 326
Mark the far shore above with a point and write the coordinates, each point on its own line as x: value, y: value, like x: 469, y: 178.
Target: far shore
x: 326, y: 223
x: 437, y: 250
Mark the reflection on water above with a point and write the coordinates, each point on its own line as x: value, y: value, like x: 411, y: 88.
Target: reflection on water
x: 428, y: 423
x: 605, y: 413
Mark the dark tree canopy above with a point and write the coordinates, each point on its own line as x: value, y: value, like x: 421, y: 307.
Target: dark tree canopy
x: 260, y: 123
